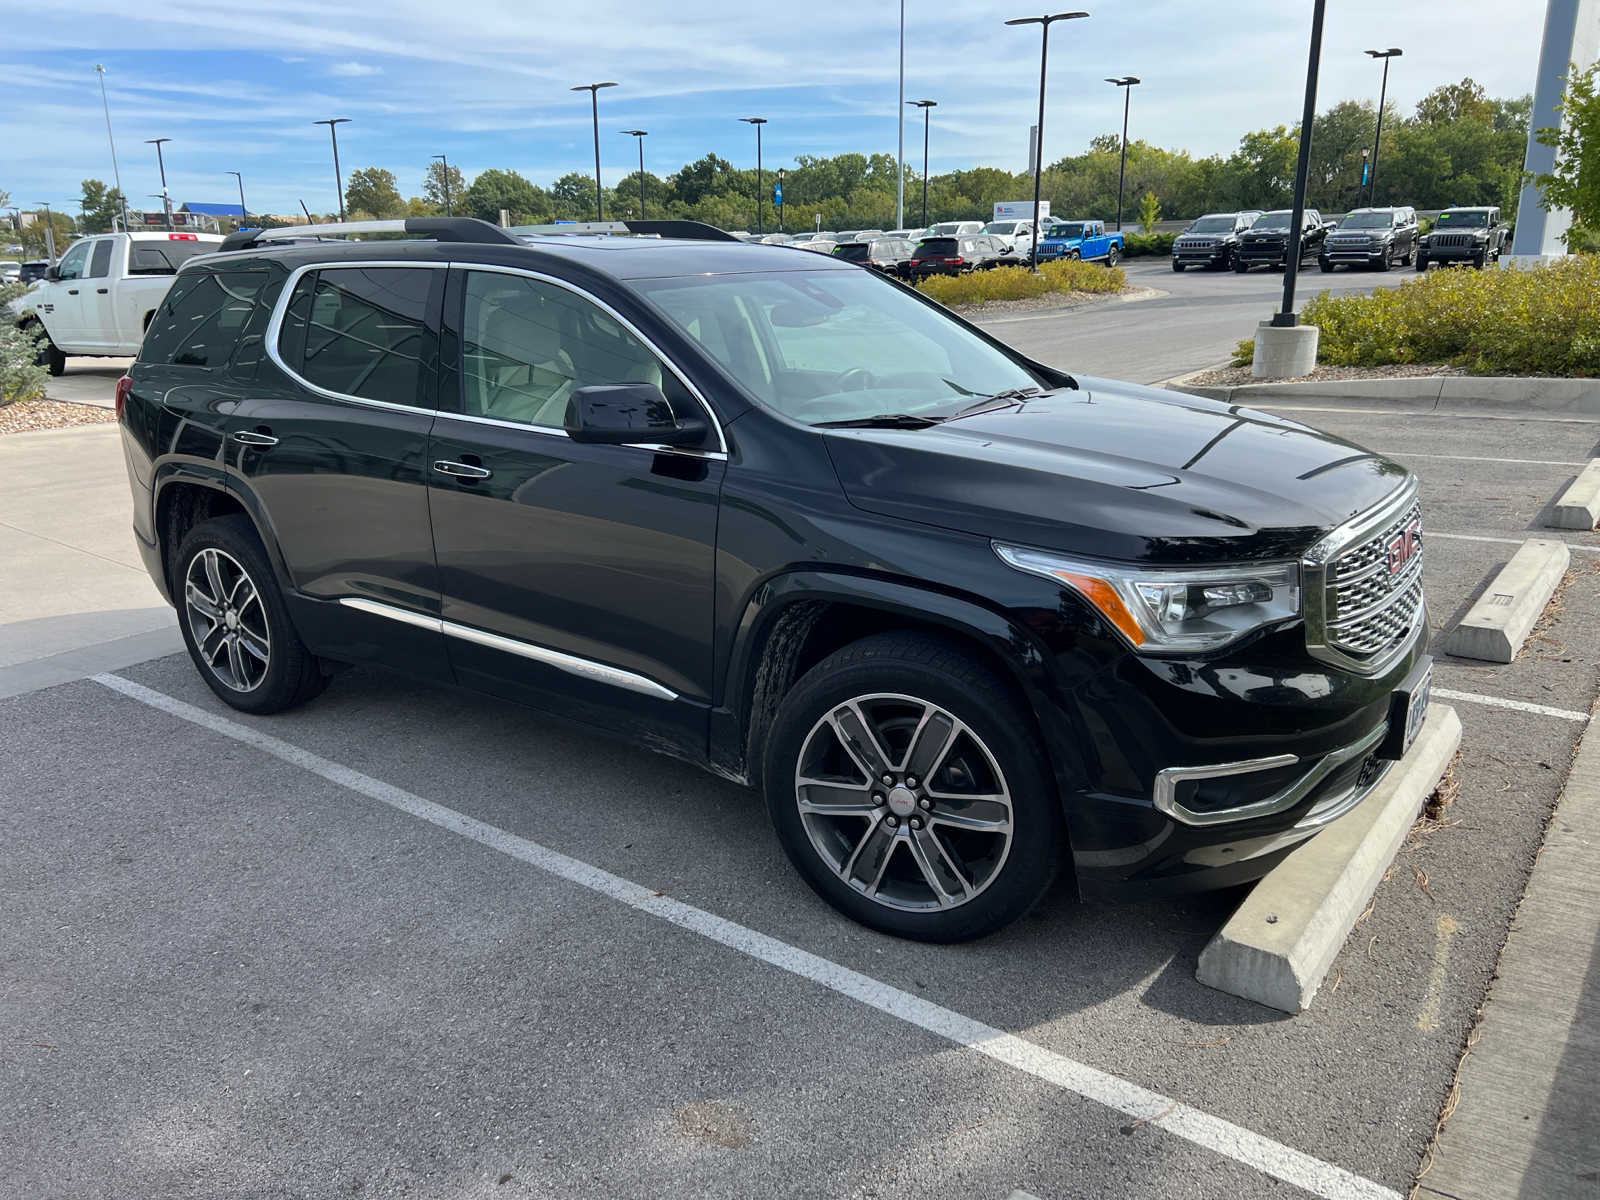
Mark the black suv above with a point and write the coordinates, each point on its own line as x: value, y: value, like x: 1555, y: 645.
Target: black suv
x: 892, y: 256
x: 1464, y: 235
x: 962, y: 617
x: 956, y: 255
x: 1211, y: 240
x: 1266, y: 242
x: 1371, y: 237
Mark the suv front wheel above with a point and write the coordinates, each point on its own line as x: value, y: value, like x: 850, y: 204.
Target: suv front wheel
x: 234, y: 620
x: 905, y: 783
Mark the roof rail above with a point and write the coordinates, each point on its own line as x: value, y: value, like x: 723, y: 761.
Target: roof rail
x: 695, y: 230
x: 443, y: 229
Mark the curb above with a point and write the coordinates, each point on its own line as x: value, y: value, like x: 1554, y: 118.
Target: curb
x: 1428, y: 393
x: 1502, y: 617
x: 1579, y: 506
x: 1277, y: 947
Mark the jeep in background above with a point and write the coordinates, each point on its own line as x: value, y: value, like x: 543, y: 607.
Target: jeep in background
x: 1210, y: 241
x: 1464, y: 235
x: 1087, y: 240
x: 1372, y: 237
x: 1266, y: 242
x: 99, y: 298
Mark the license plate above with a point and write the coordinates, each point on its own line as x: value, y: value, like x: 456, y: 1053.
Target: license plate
x: 1408, y: 710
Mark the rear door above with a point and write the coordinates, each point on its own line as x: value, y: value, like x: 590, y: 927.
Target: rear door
x: 99, y: 315
x: 578, y: 578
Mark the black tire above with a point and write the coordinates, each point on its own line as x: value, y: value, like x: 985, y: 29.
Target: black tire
x: 1327, y: 267
x: 1177, y: 266
x: 1422, y: 262
x: 49, y: 357
x: 1112, y: 255
x: 1074, y: 255
x: 293, y: 674
x: 1240, y: 266
x: 55, y: 359
x: 944, y: 674
x: 1384, y: 262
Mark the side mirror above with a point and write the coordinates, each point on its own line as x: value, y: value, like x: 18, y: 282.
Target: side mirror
x: 614, y: 414
x: 53, y: 274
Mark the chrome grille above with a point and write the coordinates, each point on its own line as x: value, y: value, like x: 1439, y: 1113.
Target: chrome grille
x: 1371, y: 604
x: 1449, y: 241
x: 1197, y: 243
x: 1347, y: 239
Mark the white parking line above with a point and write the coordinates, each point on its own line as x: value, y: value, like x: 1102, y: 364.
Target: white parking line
x: 1213, y: 1133
x: 1401, y: 455
x: 1543, y: 710
x: 1503, y: 541
x: 1454, y: 414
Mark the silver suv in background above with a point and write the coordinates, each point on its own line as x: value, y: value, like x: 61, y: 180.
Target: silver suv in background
x: 1372, y: 237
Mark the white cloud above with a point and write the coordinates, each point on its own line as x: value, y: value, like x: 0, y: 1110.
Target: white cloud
x: 353, y: 69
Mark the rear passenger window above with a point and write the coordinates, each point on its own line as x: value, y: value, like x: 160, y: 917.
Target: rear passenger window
x: 100, y: 264
x: 201, y: 319
x: 361, y: 331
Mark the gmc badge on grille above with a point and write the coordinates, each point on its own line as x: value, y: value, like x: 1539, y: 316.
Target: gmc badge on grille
x: 1404, y: 546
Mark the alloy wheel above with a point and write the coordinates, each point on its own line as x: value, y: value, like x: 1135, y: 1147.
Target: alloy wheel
x: 227, y: 619
x: 904, y: 802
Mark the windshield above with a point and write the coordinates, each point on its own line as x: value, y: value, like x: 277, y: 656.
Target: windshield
x: 1211, y: 225
x: 1471, y: 220
x: 834, y: 345
x: 945, y: 228
x: 1000, y: 227
x: 1274, y: 220
x: 1372, y: 220
x: 1066, y: 229
x: 854, y: 251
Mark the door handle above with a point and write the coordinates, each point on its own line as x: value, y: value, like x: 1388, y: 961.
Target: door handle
x: 250, y: 438
x: 103, y: 291
x: 72, y: 291
x: 461, y: 470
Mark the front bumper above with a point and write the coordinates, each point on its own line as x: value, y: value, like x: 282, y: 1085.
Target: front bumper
x: 1353, y: 255
x: 1454, y: 253
x: 1203, y: 256
x: 1048, y: 251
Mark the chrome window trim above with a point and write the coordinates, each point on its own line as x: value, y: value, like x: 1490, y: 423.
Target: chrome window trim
x: 1166, y: 787
x: 275, y: 328
x: 665, y: 360
x: 1314, y: 582
x: 584, y: 668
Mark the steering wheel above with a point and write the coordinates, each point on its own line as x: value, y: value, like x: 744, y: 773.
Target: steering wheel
x: 856, y: 379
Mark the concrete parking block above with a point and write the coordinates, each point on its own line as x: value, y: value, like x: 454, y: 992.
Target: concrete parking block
x: 1579, y: 506
x: 1279, y: 944
x: 1503, y: 616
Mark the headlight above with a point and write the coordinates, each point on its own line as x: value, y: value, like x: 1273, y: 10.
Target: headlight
x: 1167, y: 610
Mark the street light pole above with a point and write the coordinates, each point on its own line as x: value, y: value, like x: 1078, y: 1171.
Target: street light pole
x: 594, y: 109
x: 900, y: 122
x: 444, y: 181
x: 638, y: 135
x: 1383, y: 95
x: 166, y: 200
x: 758, y: 122
x: 333, y: 124
x: 115, y: 173
x: 1044, y: 24
x: 1126, y: 83
x: 244, y: 213
x: 1291, y: 267
x: 924, y: 105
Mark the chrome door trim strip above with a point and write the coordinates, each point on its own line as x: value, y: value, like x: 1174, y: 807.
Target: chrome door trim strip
x: 584, y: 668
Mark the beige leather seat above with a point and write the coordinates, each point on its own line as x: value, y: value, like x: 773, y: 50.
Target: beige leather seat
x: 516, y: 368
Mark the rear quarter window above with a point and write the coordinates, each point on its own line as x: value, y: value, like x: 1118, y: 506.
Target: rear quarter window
x: 361, y: 331
x: 201, y: 320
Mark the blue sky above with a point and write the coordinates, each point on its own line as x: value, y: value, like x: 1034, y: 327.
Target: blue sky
x: 486, y: 82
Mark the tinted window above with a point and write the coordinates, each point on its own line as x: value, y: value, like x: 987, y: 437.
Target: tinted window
x: 526, y: 346
x: 854, y: 251
x: 199, y: 322
x: 939, y: 247
x: 100, y: 263
x: 72, y: 263
x: 165, y: 257
x: 359, y: 331
x: 1211, y: 225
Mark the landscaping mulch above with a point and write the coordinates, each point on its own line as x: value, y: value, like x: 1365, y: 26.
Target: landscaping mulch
x: 27, y: 416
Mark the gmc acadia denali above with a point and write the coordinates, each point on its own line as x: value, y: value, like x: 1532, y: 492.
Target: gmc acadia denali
x: 963, y: 618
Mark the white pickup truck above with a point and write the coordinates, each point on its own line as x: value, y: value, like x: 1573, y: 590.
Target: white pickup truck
x: 101, y: 295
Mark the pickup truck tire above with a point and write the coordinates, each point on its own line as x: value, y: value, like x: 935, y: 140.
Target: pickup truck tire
x: 50, y: 356
x: 896, y: 857
x: 1422, y: 261
x: 1327, y: 267
x: 1385, y: 261
x: 1112, y: 255
x: 235, y: 623
x: 1177, y: 266
x: 1240, y: 266
x: 1480, y: 259
x: 1074, y: 254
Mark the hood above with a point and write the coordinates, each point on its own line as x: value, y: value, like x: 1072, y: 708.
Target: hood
x: 1117, y: 471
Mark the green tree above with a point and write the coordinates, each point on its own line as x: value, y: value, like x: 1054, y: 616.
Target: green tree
x: 493, y: 190
x: 1262, y: 168
x: 1454, y: 102
x: 1149, y: 212
x: 101, y: 205
x: 1575, y: 180
x: 704, y: 177
x: 440, y: 183
x: 32, y: 234
x: 372, y: 192
x: 627, y: 195
x: 573, y: 196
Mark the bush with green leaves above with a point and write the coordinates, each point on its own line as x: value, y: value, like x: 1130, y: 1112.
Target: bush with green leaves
x: 1018, y: 283
x: 21, y: 376
x: 1139, y: 245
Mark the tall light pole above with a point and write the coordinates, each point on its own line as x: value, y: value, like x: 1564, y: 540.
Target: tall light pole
x: 758, y: 122
x: 333, y: 124
x: 1383, y: 95
x: 1291, y: 266
x: 924, y: 105
x: 444, y: 181
x: 638, y: 135
x: 594, y: 108
x: 244, y: 213
x: 166, y: 200
x: 900, y: 123
x: 1044, y: 24
x: 1126, y: 83
x: 116, y: 174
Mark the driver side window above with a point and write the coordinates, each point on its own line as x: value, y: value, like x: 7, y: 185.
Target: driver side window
x: 71, y: 266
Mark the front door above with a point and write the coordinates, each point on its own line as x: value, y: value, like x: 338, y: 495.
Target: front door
x: 575, y: 577
x: 61, y: 301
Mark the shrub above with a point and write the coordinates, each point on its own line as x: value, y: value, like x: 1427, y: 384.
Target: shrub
x: 21, y: 378
x: 1244, y: 352
x: 1149, y: 212
x: 1138, y: 245
x: 1019, y: 283
x: 1540, y: 320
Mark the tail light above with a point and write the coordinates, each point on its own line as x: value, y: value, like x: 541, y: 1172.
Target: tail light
x: 183, y: 237
x: 124, y: 386
x: 955, y: 262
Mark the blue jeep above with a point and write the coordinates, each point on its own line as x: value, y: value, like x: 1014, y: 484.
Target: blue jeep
x: 1087, y: 240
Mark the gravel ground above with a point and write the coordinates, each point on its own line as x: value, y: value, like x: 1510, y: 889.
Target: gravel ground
x: 26, y: 416
x: 1236, y: 376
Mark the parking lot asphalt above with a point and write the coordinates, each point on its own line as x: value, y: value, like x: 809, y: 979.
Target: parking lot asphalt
x: 228, y: 973
x: 1194, y: 325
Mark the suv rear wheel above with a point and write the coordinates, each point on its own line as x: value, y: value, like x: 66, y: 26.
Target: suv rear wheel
x: 906, y: 786
x: 234, y: 620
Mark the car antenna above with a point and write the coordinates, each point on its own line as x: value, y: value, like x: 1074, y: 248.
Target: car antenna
x: 310, y: 220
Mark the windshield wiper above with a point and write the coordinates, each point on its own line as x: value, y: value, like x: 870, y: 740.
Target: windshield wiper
x: 998, y: 400
x: 882, y: 421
